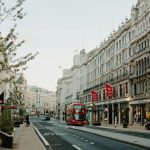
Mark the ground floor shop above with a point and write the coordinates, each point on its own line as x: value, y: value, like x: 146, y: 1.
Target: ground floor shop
x: 140, y: 111
x: 116, y: 113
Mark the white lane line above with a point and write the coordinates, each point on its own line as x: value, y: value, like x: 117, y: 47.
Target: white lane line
x: 86, y: 140
x: 78, y: 148
x: 92, y: 143
x: 43, y: 139
x: 82, y: 138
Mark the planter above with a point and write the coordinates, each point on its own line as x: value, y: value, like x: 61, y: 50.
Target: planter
x: 17, y: 124
x: 6, y: 140
x: 125, y: 125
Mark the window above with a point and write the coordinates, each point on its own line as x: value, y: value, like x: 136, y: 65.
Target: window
x: 79, y: 116
x: 78, y: 107
x: 120, y: 88
x: 139, y: 47
x: 103, y: 94
x: 114, y: 92
x: 147, y: 42
x: 129, y: 36
x: 126, y: 87
x: 117, y: 46
x: 129, y: 52
x: 130, y: 69
x: 135, y: 90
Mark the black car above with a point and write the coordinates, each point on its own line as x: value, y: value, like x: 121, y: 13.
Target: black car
x: 45, y: 117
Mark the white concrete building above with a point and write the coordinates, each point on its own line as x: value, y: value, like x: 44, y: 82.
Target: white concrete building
x: 123, y: 60
x: 42, y: 100
x: 68, y: 87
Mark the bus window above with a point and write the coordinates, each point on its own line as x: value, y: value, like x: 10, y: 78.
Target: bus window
x: 79, y: 116
x: 78, y: 107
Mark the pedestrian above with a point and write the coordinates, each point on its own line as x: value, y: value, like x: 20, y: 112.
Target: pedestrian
x: 27, y: 121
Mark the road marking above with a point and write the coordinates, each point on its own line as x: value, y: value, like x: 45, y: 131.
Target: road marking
x: 78, y: 148
x: 43, y: 139
x: 82, y: 138
x: 92, y: 143
x: 86, y: 140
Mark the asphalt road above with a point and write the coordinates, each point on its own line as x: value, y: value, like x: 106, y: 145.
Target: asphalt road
x: 61, y: 137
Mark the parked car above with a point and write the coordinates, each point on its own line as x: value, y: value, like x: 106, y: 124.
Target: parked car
x: 45, y: 117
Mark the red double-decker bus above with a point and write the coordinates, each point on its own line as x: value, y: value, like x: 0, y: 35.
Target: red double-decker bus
x: 76, y: 114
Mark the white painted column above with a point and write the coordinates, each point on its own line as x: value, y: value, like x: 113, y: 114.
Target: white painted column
x: 130, y: 115
x: 90, y: 117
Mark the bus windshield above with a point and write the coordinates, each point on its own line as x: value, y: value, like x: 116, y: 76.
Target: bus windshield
x: 79, y: 116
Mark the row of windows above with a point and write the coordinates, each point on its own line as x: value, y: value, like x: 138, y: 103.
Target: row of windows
x: 140, y: 88
x: 142, y: 65
x: 106, y: 67
x: 121, y: 42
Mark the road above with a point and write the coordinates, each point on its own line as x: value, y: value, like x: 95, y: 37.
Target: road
x: 62, y: 137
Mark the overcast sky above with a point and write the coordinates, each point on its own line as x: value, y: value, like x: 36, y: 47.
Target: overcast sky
x: 60, y: 28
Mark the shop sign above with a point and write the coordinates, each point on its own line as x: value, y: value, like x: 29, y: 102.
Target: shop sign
x: 94, y: 96
x: 109, y: 90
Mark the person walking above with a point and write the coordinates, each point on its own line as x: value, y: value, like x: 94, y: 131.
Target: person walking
x: 27, y: 121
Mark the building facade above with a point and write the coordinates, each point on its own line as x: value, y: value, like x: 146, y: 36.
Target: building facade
x: 123, y: 61
x: 43, y: 101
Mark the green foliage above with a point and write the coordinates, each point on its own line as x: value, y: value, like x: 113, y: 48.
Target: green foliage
x: 10, y: 63
x: 6, y: 123
x: 16, y: 95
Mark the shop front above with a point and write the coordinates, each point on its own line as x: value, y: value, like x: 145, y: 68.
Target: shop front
x: 94, y: 114
x: 140, y: 111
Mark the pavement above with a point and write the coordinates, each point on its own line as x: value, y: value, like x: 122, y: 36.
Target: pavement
x: 26, y: 138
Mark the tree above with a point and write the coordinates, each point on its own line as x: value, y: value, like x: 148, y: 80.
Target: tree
x: 10, y: 63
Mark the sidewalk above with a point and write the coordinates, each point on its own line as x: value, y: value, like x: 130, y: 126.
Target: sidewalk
x: 133, y: 128
x: 26, y: 139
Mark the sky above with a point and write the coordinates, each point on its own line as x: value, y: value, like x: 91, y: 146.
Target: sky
x: 59, y: 29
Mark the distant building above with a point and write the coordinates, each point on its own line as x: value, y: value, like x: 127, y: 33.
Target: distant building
x: 43, y: 101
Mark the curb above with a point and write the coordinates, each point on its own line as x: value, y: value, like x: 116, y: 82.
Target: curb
x: 43, y: 140
x: 131, y: 143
